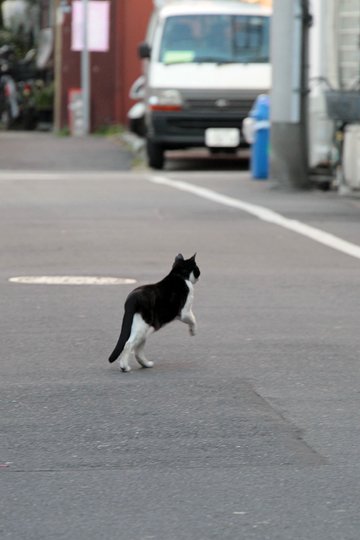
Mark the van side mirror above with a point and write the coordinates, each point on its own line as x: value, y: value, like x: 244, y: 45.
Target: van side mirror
x: 144, y: 50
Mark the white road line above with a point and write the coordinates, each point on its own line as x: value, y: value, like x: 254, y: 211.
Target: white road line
x: 12, y: 175
x: 265, y: 214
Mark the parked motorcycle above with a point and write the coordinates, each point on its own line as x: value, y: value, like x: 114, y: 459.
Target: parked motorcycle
x: 18, y: 88
x: 26, y: 100
x: 9, y: 106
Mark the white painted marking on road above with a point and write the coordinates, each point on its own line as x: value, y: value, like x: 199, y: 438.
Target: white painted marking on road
x: 71, y: 280
x: 59, y: 176
x: 265, y: 214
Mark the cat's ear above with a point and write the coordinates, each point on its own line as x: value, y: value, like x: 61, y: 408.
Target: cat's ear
x: 178, y: 259
x: 193, y: 257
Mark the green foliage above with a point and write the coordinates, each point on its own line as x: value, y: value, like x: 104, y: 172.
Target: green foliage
x: 64, y: 132
x: 44, y: 96
x: 112, y: 129
x: 9, y: 38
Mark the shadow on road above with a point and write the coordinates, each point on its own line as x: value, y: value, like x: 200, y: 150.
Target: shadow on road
x: 202, y: 160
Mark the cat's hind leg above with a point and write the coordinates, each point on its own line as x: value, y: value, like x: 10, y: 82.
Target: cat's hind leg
x: 139, y: 332
x: 125, y: 357
x: 141, y: 358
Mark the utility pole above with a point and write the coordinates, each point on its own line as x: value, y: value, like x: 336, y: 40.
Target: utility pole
x: 85, y: 69
x: 289, y: 51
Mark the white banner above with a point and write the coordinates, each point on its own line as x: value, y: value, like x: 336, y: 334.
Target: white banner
x: 98, y: 26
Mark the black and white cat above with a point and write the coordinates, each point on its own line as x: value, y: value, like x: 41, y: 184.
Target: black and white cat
x: 149, y: 307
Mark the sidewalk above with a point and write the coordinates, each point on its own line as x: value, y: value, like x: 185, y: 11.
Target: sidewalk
x: 34, y: 151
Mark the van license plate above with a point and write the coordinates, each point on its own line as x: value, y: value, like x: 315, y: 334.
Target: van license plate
x: 222, y: 137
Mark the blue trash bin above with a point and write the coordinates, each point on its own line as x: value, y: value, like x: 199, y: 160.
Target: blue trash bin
x: 259, y: 161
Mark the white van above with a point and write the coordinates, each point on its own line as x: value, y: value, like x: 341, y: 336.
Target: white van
x: 206, y: 61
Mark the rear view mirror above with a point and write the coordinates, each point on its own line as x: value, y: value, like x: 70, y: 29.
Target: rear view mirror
x: 144, y: 50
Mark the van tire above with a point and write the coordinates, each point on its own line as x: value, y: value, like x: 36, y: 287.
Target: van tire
x: 155, y: 155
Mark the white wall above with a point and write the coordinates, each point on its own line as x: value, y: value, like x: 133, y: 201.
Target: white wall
x: 323, y: 64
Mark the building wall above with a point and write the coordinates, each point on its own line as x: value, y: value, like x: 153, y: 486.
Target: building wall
x: 133, y: 16
x: 322, y: 65
x: 348, y: 36
x: 112, y: 72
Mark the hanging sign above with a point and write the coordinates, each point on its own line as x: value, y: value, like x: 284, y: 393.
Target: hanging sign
x: 98, y: 25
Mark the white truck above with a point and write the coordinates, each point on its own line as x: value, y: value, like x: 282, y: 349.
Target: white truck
x: 205, y: 62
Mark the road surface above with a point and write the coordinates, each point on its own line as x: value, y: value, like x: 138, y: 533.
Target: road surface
x: 249, y: 430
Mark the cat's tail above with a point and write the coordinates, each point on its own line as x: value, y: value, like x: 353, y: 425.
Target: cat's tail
x: 125, y: 329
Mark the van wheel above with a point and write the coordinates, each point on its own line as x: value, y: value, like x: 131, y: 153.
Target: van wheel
x: 155, y: 155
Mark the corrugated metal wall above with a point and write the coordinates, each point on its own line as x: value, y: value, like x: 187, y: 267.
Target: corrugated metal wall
x: 133, y: 16
x: 348, y: 40
x: 112, y: 72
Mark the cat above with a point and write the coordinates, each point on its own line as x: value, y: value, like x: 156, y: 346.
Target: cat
x: 149, y: 307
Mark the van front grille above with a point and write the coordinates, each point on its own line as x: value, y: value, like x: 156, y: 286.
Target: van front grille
x: 200, y: 124
x: 240, y: 106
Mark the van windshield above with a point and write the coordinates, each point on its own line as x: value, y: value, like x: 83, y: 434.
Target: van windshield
x: 215, y: 38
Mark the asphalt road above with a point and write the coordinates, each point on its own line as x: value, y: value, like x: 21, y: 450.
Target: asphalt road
x: 248, y: 430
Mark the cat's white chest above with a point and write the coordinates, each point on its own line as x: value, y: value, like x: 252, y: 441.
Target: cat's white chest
x: 187, y: 307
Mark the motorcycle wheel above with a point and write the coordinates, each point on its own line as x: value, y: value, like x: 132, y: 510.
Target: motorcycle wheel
x: 30, y: 120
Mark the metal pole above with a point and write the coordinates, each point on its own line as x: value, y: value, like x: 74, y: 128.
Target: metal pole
x: 58, y: 60
x: 85, y: 69
x: 289, y: 154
